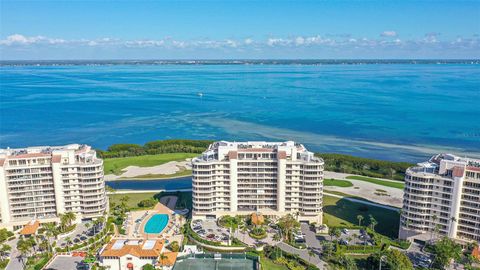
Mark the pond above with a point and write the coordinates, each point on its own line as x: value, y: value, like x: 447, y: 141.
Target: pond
x: 154, y: 184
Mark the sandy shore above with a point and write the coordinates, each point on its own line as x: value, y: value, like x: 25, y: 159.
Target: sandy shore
x: 166, y: 169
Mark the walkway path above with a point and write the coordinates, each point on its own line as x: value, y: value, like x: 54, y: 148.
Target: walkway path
x: 303, y: 253
x: 362, y: 201
x: 15, y: 262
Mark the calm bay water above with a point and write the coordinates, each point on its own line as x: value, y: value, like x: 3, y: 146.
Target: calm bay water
x: 395, y: 112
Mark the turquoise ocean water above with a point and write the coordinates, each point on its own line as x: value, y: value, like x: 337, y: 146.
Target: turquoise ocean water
x: 388, y: 111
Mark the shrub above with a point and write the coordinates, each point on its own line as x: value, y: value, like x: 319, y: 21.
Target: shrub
x: 147, y: 202
x: 174, y: 246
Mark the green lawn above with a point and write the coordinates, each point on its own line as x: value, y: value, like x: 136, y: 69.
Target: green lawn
x: 343, y: 213
x: 115, y: 165
x: 268, y: 264
x: 397, y: 184
x: 134, y: 198
x: 337, y: 183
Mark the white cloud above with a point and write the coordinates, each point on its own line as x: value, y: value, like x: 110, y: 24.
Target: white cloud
x: 429, y: 41
x: 248, y: 41
x: 389, y: 33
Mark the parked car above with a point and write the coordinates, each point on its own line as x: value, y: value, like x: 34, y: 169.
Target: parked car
x: 343, y: 242
x: 345, y: 231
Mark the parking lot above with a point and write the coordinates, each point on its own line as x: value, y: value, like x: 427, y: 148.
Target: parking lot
x: 418, y: 257
x: 209, y: 230
x: 354, y: 237
x: 67, y: 262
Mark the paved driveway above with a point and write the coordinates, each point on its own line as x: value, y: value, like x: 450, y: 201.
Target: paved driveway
x: 64, y: 263
x: 15, y: 263
x: 310, y: 237
x: 303, y: 253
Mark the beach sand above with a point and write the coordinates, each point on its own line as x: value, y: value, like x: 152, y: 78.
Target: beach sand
x: 169, y: 168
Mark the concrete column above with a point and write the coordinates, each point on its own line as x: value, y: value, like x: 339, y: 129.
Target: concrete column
x: 233, y: 157
x: 455, y: 207
x: 4, y: 203
x: 281, y: 171
x: 58, y: 186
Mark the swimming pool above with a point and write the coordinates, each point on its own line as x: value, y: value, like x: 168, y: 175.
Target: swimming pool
x: 156, y: 223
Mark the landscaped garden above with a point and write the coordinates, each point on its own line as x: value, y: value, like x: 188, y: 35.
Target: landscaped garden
x: 340, y: 212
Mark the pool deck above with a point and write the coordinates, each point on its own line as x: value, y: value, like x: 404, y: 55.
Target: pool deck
x: 170, y: 231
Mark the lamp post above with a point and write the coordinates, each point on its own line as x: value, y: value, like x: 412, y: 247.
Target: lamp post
x: 380, y: 264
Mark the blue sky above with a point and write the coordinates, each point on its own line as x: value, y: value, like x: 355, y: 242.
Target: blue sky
x: 239, y: 29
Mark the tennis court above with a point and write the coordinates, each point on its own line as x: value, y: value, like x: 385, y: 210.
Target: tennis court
x: 217, y: 263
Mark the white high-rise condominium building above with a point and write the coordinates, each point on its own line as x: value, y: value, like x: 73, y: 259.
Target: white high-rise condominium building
x: 39, y: 183
x: 442, y: 198
x: 273, y: 178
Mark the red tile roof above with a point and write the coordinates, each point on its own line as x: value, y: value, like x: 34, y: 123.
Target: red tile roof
x: 232, y: 155
x: 31, y: 155
x: 282, y: 155
x: 30, y: 228
x: 458, y: 171
x: 56, y: 158
x: 476, y: 252
x: 135, y: 250
x: 470, y: 168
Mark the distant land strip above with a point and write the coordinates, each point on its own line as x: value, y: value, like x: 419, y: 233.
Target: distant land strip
x: 238, y: 62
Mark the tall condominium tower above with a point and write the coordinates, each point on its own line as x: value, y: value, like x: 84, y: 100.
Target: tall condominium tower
x: 39, y: 183
x: 274, y: 178
x: 442, y: 198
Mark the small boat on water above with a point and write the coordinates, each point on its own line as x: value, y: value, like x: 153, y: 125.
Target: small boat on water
x: 200, y: 94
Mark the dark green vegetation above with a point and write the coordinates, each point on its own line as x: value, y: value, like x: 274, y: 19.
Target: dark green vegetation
x: 147, y: 200
x: 131, y: 200
x: 446, y: 250
x: 399, y: 185
x: 154, y: 148
x: 4, y: 248
x: 392, y: 259
x: 337, y: 183
x: 184, y: 198
x: 340, y: 212
x: 364, y: 166
x: 276, y: 258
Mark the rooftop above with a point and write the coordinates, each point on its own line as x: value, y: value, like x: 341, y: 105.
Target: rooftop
x: 39, y: 151
x: 138, y: 248
x: 30, y: 228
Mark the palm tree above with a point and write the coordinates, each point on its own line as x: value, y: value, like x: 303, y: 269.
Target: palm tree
x: 50, y: 231
x: 373, y: 222
x: 68, y: 240
x: 63, y: 221
x: 70, y: 217
x: 24, y: 248
x: 355, y: 236
x: 162, y: 258
x: 4, y: 249
x: 287, y: 224
x: 360, y: 218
